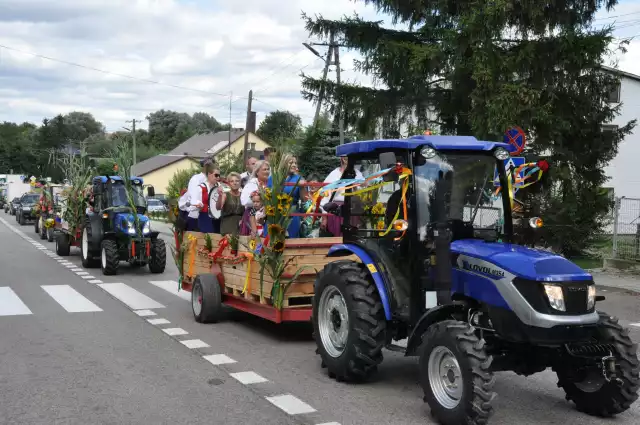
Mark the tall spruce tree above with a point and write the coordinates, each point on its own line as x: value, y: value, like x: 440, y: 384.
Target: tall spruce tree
x: 484, y: 66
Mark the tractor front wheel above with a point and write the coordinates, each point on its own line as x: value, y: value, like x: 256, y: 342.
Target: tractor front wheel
x: 348, y: 321
x: 88, y: 261
x: 110, y: 258
x: 588, y: 387
x: 158, y: 258
x: 455, y: 374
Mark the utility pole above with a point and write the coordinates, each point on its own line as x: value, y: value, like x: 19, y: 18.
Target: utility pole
x: 133, y: 135
x: 246, y: 128
x: 230, y: 101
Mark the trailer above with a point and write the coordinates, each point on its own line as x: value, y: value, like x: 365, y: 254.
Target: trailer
x: 231, y: 277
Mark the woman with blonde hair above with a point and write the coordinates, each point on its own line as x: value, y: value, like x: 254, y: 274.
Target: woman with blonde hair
x: 296, y: 193
x: 230, y: 206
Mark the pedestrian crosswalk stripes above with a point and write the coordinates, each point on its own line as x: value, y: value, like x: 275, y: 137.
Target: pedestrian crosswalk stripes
x: 11, y: 304
x: 70, y: 299
x: 131, y: 297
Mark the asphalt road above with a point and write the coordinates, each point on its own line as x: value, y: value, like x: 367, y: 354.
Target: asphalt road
x: 126, y: 350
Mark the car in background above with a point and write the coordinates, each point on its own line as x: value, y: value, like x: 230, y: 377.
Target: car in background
x: 26, y: 208
x: 12, y: 206
x: 156, y: 206
x: 160, y: 197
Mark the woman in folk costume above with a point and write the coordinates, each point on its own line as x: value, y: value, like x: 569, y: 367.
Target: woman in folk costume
x: 297, y: 193
x: 333, y: 223
x: 259, y: 179
x: 199, y: 198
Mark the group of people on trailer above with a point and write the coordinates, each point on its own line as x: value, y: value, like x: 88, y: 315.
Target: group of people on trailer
x: 240, y: 205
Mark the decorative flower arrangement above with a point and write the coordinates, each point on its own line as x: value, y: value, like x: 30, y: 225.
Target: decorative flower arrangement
x: 269, y: 253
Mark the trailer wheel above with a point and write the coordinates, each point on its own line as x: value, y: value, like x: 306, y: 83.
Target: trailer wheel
x: 588, y: 388
x: 36, y: 226
x: 158, y: 258
x: 110, y: 258
x: 50, y: 234
x: 206, y: 299
x: 348, y: 321
x: 43, y: 229
x: 88, y: 261
x: 62, y: 245
x: 455, y: 373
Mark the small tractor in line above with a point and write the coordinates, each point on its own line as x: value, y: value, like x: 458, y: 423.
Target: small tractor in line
x: 468, y: 300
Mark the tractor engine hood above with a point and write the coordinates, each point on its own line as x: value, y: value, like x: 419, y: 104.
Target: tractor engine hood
x: 125, y: 223
x: 527, y: 263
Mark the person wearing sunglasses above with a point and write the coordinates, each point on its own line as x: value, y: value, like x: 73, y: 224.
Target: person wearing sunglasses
x: 199, y: 200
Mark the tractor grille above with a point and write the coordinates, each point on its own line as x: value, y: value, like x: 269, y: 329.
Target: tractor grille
x: 575, y: 296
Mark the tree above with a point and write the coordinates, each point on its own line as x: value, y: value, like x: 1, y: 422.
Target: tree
x: 279, y: 127
x: 477, y: 68
x: 167, y: 129
x: 81, y: 125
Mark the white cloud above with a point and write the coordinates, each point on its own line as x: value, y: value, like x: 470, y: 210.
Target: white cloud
x: 211, y: 46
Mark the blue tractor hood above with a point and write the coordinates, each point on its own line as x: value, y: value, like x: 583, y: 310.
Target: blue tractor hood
x: 523, y: 262
x: 123, y: 221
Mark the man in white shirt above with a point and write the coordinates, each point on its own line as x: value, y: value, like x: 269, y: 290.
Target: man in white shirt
x: 188, y: 202
x: 250, y: 164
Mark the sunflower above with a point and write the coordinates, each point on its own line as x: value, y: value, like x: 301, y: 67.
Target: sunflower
x: 275, y: 230
x: 270, y: 211
x: 278, y: 246
x: 380, y: 225
x: 252, y: 244
x: 283, y: 209
x: 378, y: 209
x: 267, y: 194
x: 285, y: 199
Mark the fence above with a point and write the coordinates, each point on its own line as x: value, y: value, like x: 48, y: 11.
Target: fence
x: 626, y: 229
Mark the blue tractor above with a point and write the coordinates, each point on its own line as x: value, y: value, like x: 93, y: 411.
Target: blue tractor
x: 448, y: 279
x: 114, y: 232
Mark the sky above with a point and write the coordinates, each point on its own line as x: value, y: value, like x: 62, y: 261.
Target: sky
x: 122, y: 59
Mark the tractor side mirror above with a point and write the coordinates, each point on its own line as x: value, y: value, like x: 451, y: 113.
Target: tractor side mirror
x: 151, y: 192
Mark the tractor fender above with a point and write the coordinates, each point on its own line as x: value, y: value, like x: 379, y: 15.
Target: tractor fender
x: 343, y: 250
x: 153, y: 234
x: 431, y: 316
x: 97, y: 232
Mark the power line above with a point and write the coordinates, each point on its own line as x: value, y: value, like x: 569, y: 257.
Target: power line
x: 144, y: 80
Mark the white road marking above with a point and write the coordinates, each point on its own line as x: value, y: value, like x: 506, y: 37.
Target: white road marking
x: 95, y: 281
x: 248, y: 378
x: 158, y: 321
x: 290, y: 404
x: 82, y: 273
x: 171, y: 286
x: 88, y: 277
x: 144, y: 313
x: 330, y: 423
x: 134, y: 299
x: 70, y: 266
x: 218, y: 359
x: 194, y: 343
x: 637, y: 325
x: 70, y: 299
x: 76, y: 269
x: 11, y: 304
x: 175, y: 331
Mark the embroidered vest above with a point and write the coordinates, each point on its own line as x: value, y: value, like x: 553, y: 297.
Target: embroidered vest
x: 205, y: 198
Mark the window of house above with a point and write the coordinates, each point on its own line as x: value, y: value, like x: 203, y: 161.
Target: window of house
x: 252, y: 146
x: 614, y: 95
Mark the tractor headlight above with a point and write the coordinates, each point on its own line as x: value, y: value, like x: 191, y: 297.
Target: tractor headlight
x: 428, y: 152
x: 591, y: 297
x: 501, y: 154
x: 147, y: 227
x: 555, y: 296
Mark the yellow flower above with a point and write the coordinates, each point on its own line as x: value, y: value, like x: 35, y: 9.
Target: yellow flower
x: 270, y: 211
x: 276, y: 230
x: 285, y: 199
x: 267, y: 194
x: 380, y: 225
x: 378, y: 209
x: 283, y: 209
x: 252, y: 244
x: 278, y: 246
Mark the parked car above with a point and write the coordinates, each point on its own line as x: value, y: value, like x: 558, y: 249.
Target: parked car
x: 156, y: 206
x: 26, y: 207
x: 160, y: 197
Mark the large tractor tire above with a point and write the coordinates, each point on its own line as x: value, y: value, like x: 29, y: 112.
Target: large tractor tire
x: 206, y: 299
x: 63, y: 247
x: 110, y: 258
x: 588, y: 388
x: 87, y: 255
x: 455, y: 374
x: 348, y: 321
x: 158, y: 258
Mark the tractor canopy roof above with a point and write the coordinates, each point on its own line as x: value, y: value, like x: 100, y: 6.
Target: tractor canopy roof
x: 103, y: 179
x: 440, y: 143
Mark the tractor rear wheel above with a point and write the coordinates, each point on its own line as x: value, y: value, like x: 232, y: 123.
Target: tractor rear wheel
x: 63, y: 247
x: 588, y: 388
x: 110, y: 258
x: 455, y: 373
x: 348, y: 321
x: 158, y: 258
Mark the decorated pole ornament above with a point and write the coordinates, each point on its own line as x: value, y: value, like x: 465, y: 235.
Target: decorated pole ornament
x: 516, y: 139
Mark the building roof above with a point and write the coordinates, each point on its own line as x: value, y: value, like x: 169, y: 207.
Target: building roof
x: 436, y: 142
x: 202, y: 145
x: 155, y: 163
x: 621, y: 73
